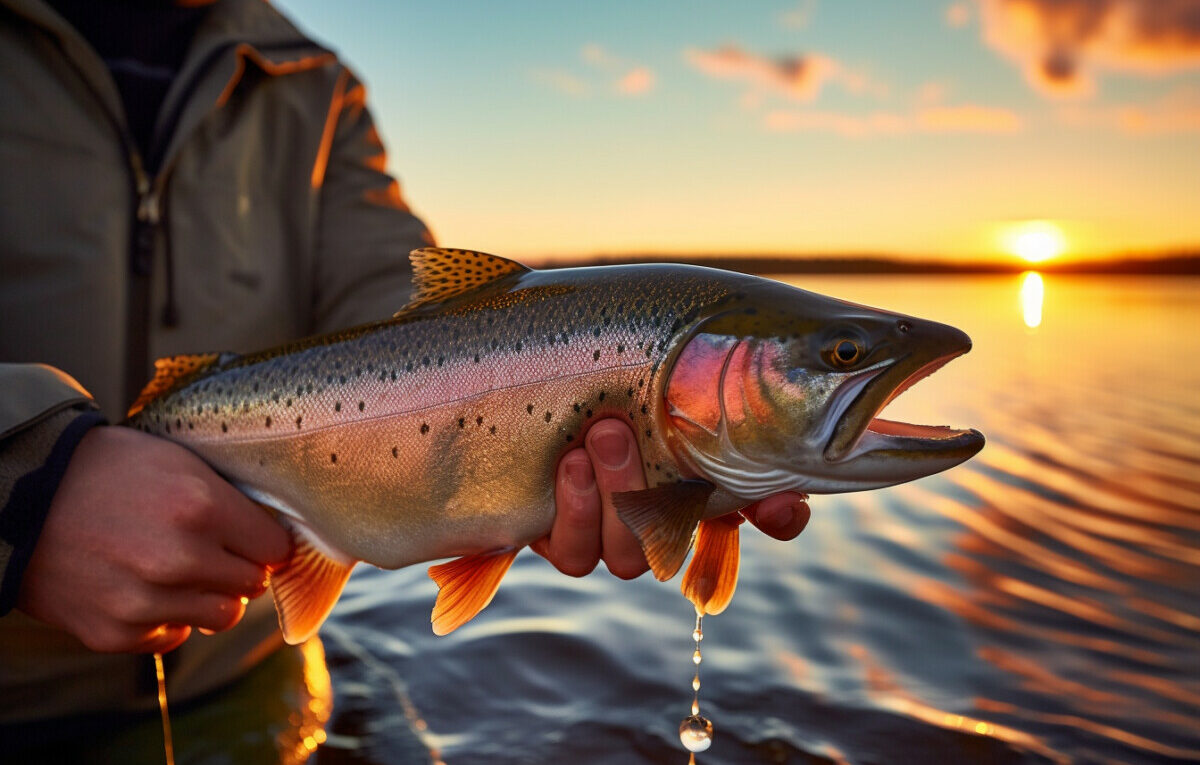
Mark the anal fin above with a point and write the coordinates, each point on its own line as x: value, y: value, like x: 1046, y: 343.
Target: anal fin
x: 712, y: 575
x: 307, y: 587
x: 664, y: 521
x: 465, y: 586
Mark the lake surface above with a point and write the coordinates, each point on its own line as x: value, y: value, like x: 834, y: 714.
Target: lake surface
x: 1039, y: 604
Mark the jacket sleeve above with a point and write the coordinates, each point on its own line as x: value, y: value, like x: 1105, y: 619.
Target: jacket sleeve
x: 44, y: 414
x: 365, y: 228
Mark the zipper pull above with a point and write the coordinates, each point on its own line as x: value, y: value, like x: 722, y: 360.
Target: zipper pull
x: 148, y: 216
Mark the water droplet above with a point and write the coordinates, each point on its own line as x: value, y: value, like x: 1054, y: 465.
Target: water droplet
x: 696, y: 657
x: 697, y: 635
x: 696, y: 733
x: 696, y: 683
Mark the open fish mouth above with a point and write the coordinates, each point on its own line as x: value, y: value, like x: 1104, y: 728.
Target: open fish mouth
x: 857, y: 436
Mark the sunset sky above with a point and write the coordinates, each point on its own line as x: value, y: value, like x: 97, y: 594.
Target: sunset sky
x: 927, y: 128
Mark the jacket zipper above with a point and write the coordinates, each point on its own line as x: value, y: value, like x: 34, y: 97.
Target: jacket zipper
x: 147, y: 218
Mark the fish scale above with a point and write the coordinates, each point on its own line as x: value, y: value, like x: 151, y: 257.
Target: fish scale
x: 436, y: 433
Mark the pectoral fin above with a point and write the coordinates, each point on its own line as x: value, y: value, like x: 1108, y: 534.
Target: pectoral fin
x: 711, y: 577
x: 664, y: 521
x: 465, y: 586
x: 307, y: 587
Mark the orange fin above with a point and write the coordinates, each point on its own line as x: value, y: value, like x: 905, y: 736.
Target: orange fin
x: 306, y: 588
x: 174, y: 372
x: 664, y: 521
x: 712, y: 575
x: 465, y: 586
x: 440, y: 274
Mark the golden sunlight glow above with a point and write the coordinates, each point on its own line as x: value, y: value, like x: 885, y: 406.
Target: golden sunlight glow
x: 1032, y: 295
x: 1035, y: 241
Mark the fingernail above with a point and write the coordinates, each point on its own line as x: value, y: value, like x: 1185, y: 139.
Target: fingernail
x: 775, y: 517
x: 612, y: 449
x: 579, y: 473
x: 204, y: 631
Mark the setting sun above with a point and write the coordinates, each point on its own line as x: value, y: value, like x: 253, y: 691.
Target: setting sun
x: 1035, y: 241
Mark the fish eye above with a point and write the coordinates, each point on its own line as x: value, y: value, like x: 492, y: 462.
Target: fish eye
x: 846, y: 352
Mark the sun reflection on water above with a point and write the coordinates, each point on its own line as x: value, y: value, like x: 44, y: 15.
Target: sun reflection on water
x: 1032, y: 295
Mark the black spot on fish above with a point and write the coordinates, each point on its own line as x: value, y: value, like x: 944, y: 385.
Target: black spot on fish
x: 337, y: 407
x: 657, y: 466
x: 548, y: 416
x: 620, y: 348
x: 641, y: 382
x: 629, y: 393
x: 333, y: 457
x: 362, y: 405
x: 289, y: 402
x: 601, y: 396
x: 479, y: 420
x: 424, y: 428
x: 190, y: 426
x: 224, y: 428
x: 596, y: 356
x: 476, y: 358
x: 570, y: 437
x: 268, y: 422
x: 492, y: 429
x: 647, y: 432
x: 395, y: 452
x: 529, y: 408
x: 596, y: 332
x: 462, y: 421
x: 425, y: 361
x: 643, y: 408
x: 577, y: 407
x: 178, y: 424
x: 441, y: 360
x: 298, y: 420
x: 519, y: 346
x: 588, y: 413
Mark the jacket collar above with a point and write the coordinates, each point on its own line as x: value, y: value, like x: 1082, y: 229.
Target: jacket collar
x: 235, y: 34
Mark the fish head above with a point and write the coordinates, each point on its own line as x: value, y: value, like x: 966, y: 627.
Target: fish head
x: 783, y: 391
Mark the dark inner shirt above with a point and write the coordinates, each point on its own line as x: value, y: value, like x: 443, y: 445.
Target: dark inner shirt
x: 143, y: 43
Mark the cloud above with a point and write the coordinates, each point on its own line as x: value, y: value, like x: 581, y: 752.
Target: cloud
x: 958, y: 14
x: 1060, y: 44
x: 562, y: 81
x: 1177, y: 112
x: 800, y: 15
x: 636, y: 81
x: 604, y: 71
x: 967, y: 118
x: 799, y: 78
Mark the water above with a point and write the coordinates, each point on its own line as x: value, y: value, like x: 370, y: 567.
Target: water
x: 1039, y: 604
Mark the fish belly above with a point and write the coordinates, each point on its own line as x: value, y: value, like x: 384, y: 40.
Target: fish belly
x: 455, y: 478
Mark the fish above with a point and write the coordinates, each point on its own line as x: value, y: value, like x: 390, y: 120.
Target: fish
x: 435, y: 434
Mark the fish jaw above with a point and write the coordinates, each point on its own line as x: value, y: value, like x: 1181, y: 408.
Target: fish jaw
x: 867, y: 451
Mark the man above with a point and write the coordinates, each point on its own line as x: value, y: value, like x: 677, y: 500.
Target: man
x: 180, y: 178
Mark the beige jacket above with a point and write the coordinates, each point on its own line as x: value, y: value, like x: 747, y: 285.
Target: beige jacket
x: 272, y: 217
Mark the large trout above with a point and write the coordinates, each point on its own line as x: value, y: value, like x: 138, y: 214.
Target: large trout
x: 435, y: 434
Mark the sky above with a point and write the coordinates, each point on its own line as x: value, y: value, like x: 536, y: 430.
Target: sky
x: 964, y: 129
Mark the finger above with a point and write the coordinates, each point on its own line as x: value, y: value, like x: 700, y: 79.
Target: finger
x: 615, y: 460
x: 782, y: 516
x: 162, y: 639
x: 206, y: 610
x: 249, y: 530
x: 573, y: 545
x: 229, y: 574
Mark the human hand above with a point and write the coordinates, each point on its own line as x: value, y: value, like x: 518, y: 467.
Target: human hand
x: 586, y: 527
x: 143, y: 541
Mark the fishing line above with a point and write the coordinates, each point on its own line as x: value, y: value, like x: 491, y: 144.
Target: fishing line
x: 168, y: 744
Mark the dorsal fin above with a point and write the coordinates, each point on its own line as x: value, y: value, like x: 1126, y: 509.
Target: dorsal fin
x: 440, y: 274
x: 175, y: 371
